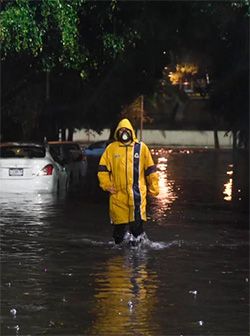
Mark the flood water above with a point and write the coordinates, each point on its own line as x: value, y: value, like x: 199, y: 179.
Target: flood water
x: 62, y: 275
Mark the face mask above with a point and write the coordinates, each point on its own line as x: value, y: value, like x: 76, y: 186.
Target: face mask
x: 125, y: 136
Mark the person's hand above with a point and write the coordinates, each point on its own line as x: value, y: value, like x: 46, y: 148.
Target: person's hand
x: 112, y: 190
x: 152, y: 193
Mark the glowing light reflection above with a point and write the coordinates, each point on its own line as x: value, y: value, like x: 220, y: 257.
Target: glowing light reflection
x: 228, y: 190
x: 228, y: 187
x: 125, y: 295
x: 166, y: 195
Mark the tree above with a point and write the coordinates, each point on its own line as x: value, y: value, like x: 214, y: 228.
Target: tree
x: 106, y: 53
x: 52, y: 36
x: 222, y: 48
x: 230, y: 92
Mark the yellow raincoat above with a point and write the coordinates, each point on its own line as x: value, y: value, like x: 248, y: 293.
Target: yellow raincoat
x: 131, y: 170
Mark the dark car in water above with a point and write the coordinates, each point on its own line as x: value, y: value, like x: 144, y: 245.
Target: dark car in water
x: 93, y: 154
x: 70, y: 155
x: 96, y: 148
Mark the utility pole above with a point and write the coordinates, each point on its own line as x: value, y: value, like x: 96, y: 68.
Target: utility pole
x: 141, y: 116
x: 46, y: 130
x: 47, y: 96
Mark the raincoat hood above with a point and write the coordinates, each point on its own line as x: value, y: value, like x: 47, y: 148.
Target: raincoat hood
x: 125, y: 123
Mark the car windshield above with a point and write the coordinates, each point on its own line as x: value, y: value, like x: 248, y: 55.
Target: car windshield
x: 22, y: 151
x: 65, y: 151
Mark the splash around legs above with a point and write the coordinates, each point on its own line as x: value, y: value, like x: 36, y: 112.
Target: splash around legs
x: 135, y: 229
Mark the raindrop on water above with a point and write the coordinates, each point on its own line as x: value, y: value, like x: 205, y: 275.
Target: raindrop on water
x: 13, y: 311
x: 130, y: 305
x: 194, y: 292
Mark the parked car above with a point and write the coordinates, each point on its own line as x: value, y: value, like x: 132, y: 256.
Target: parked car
x: 29, y: 167
x: 69, y: 154
x: 96, y: 148
x: 93, y: 153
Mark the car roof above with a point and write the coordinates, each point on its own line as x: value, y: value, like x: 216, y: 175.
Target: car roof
x: 5, y: 144
x: 63, y: 143
x: 101, y: 142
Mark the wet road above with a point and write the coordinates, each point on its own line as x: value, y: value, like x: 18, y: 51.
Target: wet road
x: 62, y: 275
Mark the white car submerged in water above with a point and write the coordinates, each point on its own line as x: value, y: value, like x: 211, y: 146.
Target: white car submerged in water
x: 29, y: 167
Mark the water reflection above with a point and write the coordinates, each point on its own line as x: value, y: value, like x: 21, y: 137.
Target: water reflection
x: 63, y: 278
x: 234, y: 191
x: 125, y: 297
x: 25, y: 222
x: 167, y: 194
x: 186, y: 175
x: 228, y: 187
x: 27, y: 209
x: 25, y: 202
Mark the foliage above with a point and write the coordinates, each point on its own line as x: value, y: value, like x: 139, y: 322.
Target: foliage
x: 34, y: 27
x: 58, y: 36
x: 230, y: 90
x: 18, y: 29
x: 52, y: 31
x: 221, y: 50
x: 182, y: 70
x: 102, y: 54
x: 136, y: 113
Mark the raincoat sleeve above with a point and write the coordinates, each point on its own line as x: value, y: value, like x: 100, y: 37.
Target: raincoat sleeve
x: 104, y: 171
x: 151, y: 174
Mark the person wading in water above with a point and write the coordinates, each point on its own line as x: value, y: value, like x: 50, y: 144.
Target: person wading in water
x: 127, y: 171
